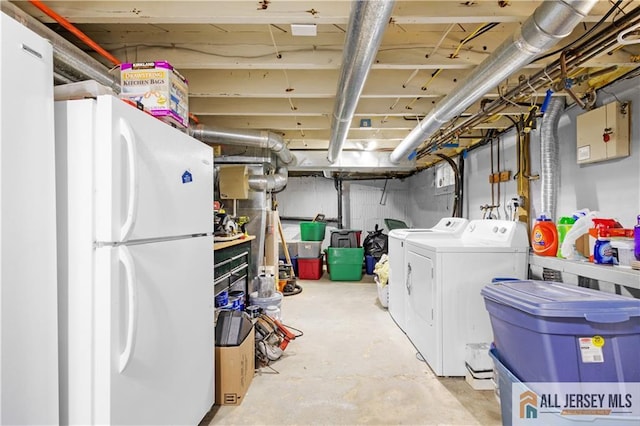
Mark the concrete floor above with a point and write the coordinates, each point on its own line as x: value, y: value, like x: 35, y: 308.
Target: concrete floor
x: 352, y: 366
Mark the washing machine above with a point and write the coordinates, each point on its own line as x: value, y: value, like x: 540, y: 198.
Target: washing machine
x: 445, y: 310
x: 446, y: 227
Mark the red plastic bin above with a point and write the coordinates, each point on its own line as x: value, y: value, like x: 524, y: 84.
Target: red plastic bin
x: 310, y: 269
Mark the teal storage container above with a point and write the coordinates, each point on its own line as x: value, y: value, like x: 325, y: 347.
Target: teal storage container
x: 312, y: 231
x: 345, y: 264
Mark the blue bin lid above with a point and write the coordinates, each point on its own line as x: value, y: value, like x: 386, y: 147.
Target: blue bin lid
x: 552, y: 299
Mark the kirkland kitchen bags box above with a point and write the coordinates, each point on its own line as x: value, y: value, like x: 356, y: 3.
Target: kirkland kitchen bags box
x: 159, y: 88
x: 234, y: 370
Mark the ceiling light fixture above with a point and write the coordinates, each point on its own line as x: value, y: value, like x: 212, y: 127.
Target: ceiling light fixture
x: 308, y: 30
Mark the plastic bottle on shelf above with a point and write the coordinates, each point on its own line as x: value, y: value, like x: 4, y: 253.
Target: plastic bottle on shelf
x: 564, y: 225
x: 580, y: 227
x: 636, y: 237
x: 580, y: 213
x: 602, y: 250
x: 602, y: 230
x: 544, y: 237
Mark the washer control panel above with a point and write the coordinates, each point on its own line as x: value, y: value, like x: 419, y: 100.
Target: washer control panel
x: 503, y: 233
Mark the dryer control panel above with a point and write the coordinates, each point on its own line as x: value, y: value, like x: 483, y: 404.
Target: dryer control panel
x: 450, y: 224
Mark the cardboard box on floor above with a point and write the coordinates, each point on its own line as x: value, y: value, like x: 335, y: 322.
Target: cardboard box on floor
x: 235, y: 366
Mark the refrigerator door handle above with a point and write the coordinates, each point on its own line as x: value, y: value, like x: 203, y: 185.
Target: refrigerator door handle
x: 132, y: 302
x: 132, y: 184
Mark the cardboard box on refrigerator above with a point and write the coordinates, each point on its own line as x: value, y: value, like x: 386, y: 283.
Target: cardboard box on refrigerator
x: 158, y: 86
x: 235, y: 366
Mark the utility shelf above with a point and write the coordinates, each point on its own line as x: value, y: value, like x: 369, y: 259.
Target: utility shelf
x: 614, y: 274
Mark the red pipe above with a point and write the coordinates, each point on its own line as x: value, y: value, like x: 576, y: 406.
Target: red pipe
x: 75, y: 31
x: 83, y: 37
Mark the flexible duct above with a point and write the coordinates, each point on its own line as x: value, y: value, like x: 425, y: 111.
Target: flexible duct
x: 549, y: 152
x: 252, y: 138
x: 550, y: 22
x: 69, y: 61
x: 367, y: 23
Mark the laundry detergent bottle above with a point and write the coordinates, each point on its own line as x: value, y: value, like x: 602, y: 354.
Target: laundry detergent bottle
x: 544, y: 237
x: 564, y: 225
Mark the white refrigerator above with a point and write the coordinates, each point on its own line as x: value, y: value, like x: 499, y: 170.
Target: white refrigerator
x: 28, y: 292
x: 135, y: 224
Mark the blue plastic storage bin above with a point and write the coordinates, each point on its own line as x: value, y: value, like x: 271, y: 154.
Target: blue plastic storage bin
x: 370, y: 263
x: 554, y: 332
x: 506, y: 383
x: 503, y: 379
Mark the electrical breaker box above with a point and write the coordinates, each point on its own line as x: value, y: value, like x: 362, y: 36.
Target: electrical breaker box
x: 603, y: 133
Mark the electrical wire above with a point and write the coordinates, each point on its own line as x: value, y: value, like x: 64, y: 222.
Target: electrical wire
x: 621, y: 10
x: 441, y: 40
x: 433, y: 76
x: 518, y: 142
x: 482, y: 31
x: 288, y: 327
x: 220, y: 55
x: 499, y: 177
x: 476, y: 33
x: 275, y: 46
x: 590, y: 48
x: 492, y: 173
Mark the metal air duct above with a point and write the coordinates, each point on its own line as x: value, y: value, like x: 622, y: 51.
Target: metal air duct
x: 70, y: 62
x: 550, y: 22
x: 274, y: 182
x: 549, y: 152
x: 252, y: 138
x: 367, y: 23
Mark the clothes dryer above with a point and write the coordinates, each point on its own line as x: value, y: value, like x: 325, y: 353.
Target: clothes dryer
x: 445, y: 310
x: 447, y: 227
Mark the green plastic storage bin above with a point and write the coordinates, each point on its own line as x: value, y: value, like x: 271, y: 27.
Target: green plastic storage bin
x: 312, y: 231
x: 345, y: 264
